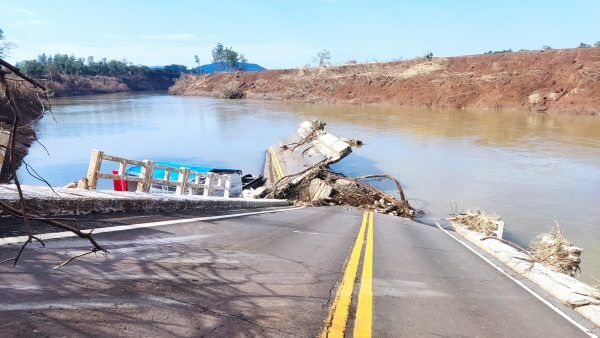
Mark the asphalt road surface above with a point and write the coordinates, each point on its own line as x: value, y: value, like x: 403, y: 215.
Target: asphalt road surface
x: 305, y: 272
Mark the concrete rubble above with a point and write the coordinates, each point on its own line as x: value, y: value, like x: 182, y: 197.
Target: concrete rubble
x: 298, y: 170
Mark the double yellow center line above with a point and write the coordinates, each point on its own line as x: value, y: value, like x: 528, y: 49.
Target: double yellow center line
x: 338, y: 312
x: 276, y: 164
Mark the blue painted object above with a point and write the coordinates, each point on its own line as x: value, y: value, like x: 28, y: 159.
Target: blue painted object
x: 160, y: 173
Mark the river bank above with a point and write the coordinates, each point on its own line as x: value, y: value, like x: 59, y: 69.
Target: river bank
x: 559, y: 81
x: 75, y: 85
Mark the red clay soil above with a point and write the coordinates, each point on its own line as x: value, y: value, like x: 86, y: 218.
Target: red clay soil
x: 563, y: 81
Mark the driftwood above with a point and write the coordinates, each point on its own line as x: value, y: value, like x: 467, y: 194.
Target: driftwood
x: 319, y: 186
x: 555, y: 251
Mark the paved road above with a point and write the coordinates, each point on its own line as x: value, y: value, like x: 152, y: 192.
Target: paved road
x: 293, y: 273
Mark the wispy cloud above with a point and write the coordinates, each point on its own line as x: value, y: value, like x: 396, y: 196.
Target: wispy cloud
x: 32, y: 22
x: 24, y: 11
x: 180, y: 36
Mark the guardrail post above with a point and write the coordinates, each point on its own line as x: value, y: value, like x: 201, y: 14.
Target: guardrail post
x: 184, y: 175
x: 500, y: 231
x: 92, y: 173
x: 208, y: 185
x: 146, y: 173
x: 122, y: 168
x: 4, y: 138
x: 227, y: 190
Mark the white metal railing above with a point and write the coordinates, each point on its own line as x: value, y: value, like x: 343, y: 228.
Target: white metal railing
x: 212, y: 181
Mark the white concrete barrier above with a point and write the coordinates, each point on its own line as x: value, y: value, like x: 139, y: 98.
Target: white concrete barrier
x: 578, y: 295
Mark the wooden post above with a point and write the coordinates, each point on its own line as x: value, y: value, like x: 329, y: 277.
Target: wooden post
x: 167, y: 175
x: 183, y: 177
x: 4, y: 138
x: 227, y: 190
x: 146, y: 173
x: 93, y: 168
x: 122, y: 168
x: 208, y: 185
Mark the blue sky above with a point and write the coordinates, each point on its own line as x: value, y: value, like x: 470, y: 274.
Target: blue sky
x: 287, y: 33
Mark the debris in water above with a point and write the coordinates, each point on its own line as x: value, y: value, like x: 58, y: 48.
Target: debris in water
x: 555, y: 251
x: 298, y: 170
x: 320, y: 186
x: 483, y: 222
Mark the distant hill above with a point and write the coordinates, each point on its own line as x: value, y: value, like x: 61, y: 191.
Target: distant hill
x: 220, y: 67
x: 211, y: 68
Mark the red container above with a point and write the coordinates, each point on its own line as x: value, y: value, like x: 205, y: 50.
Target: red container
x: 119, y: 185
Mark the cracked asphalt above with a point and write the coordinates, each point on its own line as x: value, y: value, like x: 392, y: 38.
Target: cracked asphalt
x: 273, y: 274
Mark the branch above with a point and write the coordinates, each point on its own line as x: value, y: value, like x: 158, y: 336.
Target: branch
x: 21, y: 75
x: 91, y: 251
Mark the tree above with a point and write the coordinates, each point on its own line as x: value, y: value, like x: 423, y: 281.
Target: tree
x: 597, y: 44
x: 546, y: 47
x: 322, y: 58
x: 4, y: 46
x: 231, y: 58
x: 2, y: 43
x: 584, y: 45
x: 197, y: 60
x: 226, y: 58
x: 218, y: 54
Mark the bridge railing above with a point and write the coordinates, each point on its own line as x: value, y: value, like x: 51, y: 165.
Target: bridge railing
x: 209, y: 182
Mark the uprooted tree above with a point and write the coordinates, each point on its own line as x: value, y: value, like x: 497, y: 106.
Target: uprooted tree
x: 23, y: 101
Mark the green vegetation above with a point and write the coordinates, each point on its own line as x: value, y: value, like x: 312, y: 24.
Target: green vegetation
x: 499, y: 51
x: 69, y: 64
x: 584, y: 45
x: 226, y: 58
x: 4, y: 46
x: 597, y: 44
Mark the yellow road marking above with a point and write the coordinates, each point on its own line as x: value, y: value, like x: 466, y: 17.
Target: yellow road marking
x: 364, y: 310
x: 276, y: 164
x: 338, y: 312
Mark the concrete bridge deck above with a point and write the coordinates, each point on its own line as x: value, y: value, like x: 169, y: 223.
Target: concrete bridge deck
x: 66, y: 201
x: 272, y: 274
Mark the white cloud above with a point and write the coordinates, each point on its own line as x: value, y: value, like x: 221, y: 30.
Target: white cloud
x: 26, y: 12
x: 180, y: 36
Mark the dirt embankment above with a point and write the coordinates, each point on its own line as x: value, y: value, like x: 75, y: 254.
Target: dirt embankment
x: 30, y: 107
x: 72, y: 85
x: 565, y: 81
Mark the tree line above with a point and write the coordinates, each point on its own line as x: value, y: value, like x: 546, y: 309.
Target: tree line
x: 48, y: 65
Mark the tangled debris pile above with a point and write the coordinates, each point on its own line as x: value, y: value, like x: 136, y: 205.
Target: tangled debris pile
x: 31, y: 104
x: 320, y: 186
x: 555, y: 251
x: 551, y: 249
x: 298, y: 170
x: 478, y: 220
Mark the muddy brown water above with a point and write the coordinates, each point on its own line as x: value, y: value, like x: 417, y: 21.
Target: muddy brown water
x: 530, y: 168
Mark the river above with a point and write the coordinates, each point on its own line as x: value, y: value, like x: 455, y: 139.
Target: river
x: 532, y: 169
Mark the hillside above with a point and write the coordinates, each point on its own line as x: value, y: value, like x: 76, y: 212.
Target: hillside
x: 565, y: 81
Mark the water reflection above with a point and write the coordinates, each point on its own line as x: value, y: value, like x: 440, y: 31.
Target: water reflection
x: 530, y: 168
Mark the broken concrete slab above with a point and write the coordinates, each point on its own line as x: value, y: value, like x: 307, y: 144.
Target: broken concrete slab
x: 307, y: 147
x: 64, y: 201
